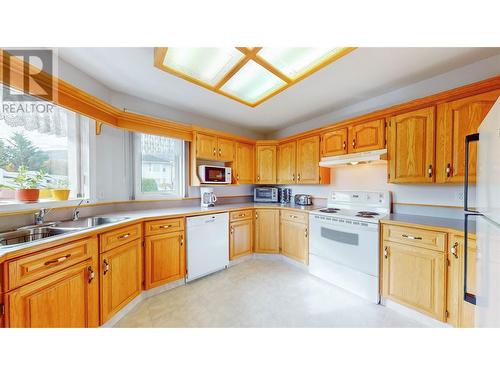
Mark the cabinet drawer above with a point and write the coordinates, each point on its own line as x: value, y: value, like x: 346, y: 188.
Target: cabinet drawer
x: 33, y: 267
x: 164, y: 226
x: 114, y: 238
x: 298, y: 217
x: 241, y: 215
x: 417, y: 237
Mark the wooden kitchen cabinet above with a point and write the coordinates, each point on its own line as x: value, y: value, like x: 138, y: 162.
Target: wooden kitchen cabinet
x: 244, y: 166
x: 206, y: 146
x: 367, y: 136
x: 120, y: 277
x: 455, y: 120
x: 225, y: 149
x: 65, y: 299
x: 294, y: 236
x: 415, y: 277
x: 165, y: 258
x: 2, y: 310
x: 240, y: 238
x: 267, y: 228
x: 460, y: 313
x: 334, y: 143
x: 308, y: 169
x: 411, y: 147
x: 266, y: 164
x: 287, y: 156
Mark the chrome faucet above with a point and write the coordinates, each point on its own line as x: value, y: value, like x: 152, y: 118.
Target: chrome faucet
x: 76, y: 212
x: 40, y: 216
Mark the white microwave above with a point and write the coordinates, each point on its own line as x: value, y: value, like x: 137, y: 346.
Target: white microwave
x: 213, y: 174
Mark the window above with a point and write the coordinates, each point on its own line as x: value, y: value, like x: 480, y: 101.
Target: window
x: 49, y: 139
x: 159, y: 166
x: 249, y: 75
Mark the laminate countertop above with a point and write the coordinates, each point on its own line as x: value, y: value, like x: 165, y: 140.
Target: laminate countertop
x: 431, y: 222
x: 12, y: 251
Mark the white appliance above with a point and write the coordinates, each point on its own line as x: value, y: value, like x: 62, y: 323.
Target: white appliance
x: 344, y: 241
x: 487, y: 292
x: 207, y: 244
x: 356, y: 158
x: 207, y: 197
x: 213, y: 174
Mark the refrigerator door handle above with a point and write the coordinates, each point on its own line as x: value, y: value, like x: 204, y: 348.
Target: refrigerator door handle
x: 468, y: 297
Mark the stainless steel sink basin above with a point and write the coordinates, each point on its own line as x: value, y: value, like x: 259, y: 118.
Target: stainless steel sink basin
x: 37, y: 232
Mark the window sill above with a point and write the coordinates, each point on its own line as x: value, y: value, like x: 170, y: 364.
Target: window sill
x: 14, y: 206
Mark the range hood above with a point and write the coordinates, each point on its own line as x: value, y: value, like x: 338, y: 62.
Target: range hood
x: 359, y: 157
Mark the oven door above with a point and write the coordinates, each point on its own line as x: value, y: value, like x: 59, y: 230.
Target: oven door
x: 354, y: 245
x: 213, y: 174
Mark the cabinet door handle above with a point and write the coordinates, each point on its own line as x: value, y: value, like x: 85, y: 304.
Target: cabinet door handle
x: 220, y: 151
x: 91, y: 273
x: 344, y: 145
x: 293, y: 176
x: 454, y: 250
x: 258, y: 178
x: 256, y: 216
x: 238, y: 177
x: 58, y: 260
x: 232, y: 230
x: 430, y: 170
x: 386, y: 252
x: 306, y: 233
x: 448, y: 170
x: 215, y: 151
x: 106, y: 266
x: 182, y: 239
x: 123, y: 236
x: 411, y: 237
x: 298, y: 177
x: 354, y: 143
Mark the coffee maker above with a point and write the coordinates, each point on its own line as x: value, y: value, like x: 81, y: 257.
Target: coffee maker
x: 208, y: 197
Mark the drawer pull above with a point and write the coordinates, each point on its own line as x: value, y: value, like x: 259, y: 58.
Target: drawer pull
x: 454, y: 250
x: 91, y: 274
x: 411, y: 237
x: 242, y: 215
x: 123, y: 236
x: 293, y: 217
x: 106, y: 266
x: 58, y: 260
x: 165, y: 226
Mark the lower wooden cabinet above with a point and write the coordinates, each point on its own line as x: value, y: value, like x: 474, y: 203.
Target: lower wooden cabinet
x: 120, y: 277
x: 267, y: 227
x: 240, y: 238
x: 294, y: 240
x: 414, y: 276
x: 460, y: 313
x: 165, y: 258
x: 2, y: 311
x: 65, y: 299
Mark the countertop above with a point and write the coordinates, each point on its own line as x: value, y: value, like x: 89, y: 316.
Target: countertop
x: 9, y: 252
x: 455, y: 225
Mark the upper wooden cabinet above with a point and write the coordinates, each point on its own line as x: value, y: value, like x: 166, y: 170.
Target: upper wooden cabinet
x: 244, y: 163
x: 266, y: 164
x: 411, y: 147
x: 334, y: 142
x: 211, y: 147
x: 455, y: 120
x: 367, y: 136
x: 460, y: 313
x: 287, y: 155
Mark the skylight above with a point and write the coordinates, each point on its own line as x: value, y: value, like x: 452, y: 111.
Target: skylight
x: 249, y: 75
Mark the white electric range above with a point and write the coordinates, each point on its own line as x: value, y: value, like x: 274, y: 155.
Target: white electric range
x: 344, y: 241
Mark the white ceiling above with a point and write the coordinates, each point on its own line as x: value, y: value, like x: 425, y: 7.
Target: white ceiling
x: 362, y: 74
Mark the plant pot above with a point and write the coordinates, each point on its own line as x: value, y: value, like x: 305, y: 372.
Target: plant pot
x: 27, y: 195
x: 45, y: 193
x: 60, y: 194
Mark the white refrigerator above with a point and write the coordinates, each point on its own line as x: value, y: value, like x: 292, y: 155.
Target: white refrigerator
x: 487, y: 291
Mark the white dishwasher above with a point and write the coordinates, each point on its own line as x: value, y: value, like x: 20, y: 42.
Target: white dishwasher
x: 207, y: 244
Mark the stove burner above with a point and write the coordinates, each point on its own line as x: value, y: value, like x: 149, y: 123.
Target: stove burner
x: 330, y: 210
x: 366, y: 213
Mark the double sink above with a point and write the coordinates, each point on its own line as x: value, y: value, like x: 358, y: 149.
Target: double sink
x: 37, y: 232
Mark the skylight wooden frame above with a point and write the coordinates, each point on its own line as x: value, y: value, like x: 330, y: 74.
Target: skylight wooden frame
x: 249, y: 54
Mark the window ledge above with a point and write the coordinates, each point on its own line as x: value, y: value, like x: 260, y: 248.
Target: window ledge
x: 14, y: 206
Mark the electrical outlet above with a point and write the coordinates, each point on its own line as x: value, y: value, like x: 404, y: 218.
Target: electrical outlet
x: 460, y: 196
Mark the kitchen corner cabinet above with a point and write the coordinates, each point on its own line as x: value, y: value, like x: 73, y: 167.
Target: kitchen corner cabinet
x: 266, y: 164
x: 120, y: 277
x: 267, y: 228
x: 413, y: 269
x: 460, y: 313
x: 455, y: 120
x: 65, y: 299
x: 294, y: 241
x: 211, y: 147
x: 244, y: 163
x: 411, y: 139
x: 367, y: 136
x: 241, y: 233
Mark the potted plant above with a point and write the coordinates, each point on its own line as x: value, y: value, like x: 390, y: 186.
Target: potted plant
x: 61, y: 191
x: 27, y: 186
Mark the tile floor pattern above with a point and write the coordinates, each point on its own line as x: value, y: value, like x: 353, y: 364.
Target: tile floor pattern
x: 261, y: 293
